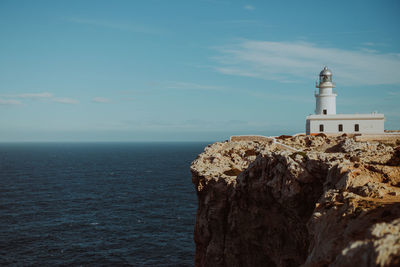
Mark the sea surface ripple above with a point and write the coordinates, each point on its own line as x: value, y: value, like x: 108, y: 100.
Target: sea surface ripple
x: 97, y: 204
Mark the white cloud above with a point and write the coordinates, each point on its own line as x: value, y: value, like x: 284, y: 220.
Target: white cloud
x: 45, y: 96
x: 100, y: 100
x: 369, y: 44
x: 288, y: 61
x: 194, y: 124
x: 394, y: 93
x: 35, y: 95
x: 65, y: 100
x: 249, y: 7
x: 9, y: 102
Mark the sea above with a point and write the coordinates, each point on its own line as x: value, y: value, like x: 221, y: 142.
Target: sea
x: 97, y: 204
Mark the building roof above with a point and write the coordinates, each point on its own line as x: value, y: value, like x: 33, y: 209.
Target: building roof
x: 325, y: 72
x: 370, y: 116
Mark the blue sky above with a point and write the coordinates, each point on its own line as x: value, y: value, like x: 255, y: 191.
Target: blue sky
x: 189, y: 70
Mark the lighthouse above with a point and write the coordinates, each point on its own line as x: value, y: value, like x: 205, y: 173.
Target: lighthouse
x: 325, y: 119
x: 325, y: 98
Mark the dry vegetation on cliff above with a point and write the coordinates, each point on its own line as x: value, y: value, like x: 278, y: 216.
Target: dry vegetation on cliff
x: 335, y: 202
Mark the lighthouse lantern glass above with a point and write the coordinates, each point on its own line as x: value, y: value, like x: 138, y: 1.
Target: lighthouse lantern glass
x: 325, y: 78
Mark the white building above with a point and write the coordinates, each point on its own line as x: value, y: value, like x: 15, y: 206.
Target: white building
x: 326, y: 120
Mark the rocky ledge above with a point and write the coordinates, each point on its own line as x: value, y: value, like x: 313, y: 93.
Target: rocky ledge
x: 334, y: 202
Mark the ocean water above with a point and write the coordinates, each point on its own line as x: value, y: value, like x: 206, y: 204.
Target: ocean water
x: 97, y: 204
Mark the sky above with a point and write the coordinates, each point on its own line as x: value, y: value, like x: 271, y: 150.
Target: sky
x: 176, y: 70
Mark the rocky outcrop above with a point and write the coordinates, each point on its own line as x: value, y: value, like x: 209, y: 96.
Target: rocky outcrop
x: 333, y: 202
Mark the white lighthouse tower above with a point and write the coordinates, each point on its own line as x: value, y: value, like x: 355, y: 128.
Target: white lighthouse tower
x: 326, y: 98
x: 325, y: 119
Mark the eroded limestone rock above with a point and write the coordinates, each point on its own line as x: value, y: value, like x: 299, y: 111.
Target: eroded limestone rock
x: 334, y: 202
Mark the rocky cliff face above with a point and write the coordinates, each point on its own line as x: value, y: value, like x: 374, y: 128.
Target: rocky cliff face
x: 334, y: 202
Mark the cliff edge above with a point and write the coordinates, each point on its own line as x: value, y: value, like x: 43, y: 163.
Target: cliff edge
x: 334, y: 202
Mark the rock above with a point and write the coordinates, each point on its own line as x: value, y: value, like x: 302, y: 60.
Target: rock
x: 381, y: 247
x: 262, y: 205
x: 355, y: 159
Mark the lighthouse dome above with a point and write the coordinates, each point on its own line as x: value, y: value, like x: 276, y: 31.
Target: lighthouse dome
x: 325, y: 72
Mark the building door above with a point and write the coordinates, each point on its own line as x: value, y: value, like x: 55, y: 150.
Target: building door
x: 356, y: 127
x: 321, y: 127
x: 340, y: 127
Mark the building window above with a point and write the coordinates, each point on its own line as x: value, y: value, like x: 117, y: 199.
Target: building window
x: 325, y: 112
x: 321, y: 127
x: 356, y: 128
x: 340, y: 127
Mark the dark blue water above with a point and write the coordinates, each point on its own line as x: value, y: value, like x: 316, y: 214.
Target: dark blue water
x: 97, y: 204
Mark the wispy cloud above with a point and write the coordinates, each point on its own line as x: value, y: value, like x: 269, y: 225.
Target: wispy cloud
x: 369, y: 44
x: 100, y: 99
x: 124, y: 26
x: 268, y: 96
x: 43, y: 96
x: 368, y: 50
x: 9, y: 102
x: 35, y: 95
x: 192, y: 86
x: 391, y: 93
x: 194, y: 124
x: 288, y: 61
x: 65, y: 100
x: 249, y: 7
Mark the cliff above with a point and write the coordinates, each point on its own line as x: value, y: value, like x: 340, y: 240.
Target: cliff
x: 334, y: 202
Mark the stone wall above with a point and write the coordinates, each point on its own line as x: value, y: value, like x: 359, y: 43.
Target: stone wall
x: 258, y: 138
